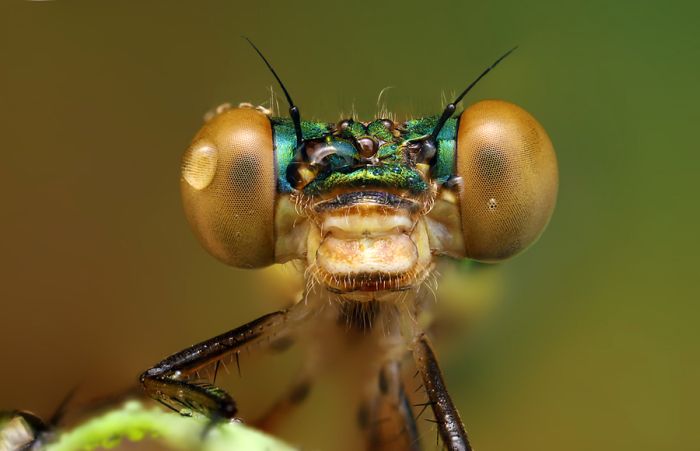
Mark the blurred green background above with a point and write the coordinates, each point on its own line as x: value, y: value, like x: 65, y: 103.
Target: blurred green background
x: 595, y: 345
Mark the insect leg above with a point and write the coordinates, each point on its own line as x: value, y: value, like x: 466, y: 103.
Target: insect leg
x: 292, y: 398
x: 390, y: 424
x: 173, y: 381
x: 449, y: 423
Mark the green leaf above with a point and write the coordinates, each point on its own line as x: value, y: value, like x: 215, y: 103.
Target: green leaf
x: 134, y: 422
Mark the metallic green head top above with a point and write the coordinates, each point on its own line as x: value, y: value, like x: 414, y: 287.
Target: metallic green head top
x: 351, y: 154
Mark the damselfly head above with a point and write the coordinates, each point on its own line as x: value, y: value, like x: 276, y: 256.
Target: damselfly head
x: 368, y: 204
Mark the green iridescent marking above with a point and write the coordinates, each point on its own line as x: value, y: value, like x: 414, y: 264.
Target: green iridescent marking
x: 384, y: 176
x: 378, y: 130
x: 309, y: 129
x: 285, y: 145
x: 355, y: 130
x: 447, y: 146
x: 419, y: 128
x: 449, y: 130
x: 444, y: 164
x: 389, y: 151
x: 315, y: 130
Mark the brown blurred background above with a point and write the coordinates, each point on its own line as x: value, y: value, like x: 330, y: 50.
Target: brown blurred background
x: 595, y: 345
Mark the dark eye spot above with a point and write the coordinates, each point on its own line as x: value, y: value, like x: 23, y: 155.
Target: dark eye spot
x: 491, y: 166
x: 246, y: 168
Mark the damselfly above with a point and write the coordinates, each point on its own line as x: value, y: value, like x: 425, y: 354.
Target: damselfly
x: 366, y: 208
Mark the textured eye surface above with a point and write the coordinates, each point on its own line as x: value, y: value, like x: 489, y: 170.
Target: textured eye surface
x: 228, y: 187
x: 199, y: 165
x: 510, y: 177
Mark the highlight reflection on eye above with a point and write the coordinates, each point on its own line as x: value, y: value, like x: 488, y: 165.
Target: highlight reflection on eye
x: 199, y: 165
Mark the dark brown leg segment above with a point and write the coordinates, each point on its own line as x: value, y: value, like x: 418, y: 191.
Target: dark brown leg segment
x: 449, y: 423
x: 174, y: 381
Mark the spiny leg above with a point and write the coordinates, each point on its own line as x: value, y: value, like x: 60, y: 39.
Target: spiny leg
x: 389, y: 420
x: 449, y: 423
x: 174, y: 381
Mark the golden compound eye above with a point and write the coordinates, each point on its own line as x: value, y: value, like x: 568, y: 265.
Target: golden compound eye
x: 228, y: 188
x: 509, y: 179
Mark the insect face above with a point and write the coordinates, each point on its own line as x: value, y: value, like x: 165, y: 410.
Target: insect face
x: 367, y: 205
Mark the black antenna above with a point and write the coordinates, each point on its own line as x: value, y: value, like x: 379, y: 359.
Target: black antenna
x: 450, y: 108
x: 293, y: 110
